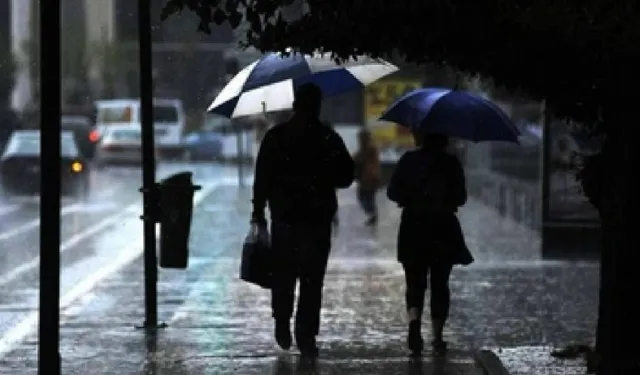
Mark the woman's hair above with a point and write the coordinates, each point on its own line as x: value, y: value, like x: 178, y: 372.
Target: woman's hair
x: 434, y: 141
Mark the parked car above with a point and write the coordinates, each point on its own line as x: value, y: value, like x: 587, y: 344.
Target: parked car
x: 119, y: 146
x: 20, y: 165
x: 169, y: 120
x: 203, y: 145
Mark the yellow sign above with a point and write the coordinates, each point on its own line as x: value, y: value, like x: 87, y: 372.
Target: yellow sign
x: 377, y: 97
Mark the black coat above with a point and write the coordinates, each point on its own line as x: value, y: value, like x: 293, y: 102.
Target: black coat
x: 429, y: 187
x: 298, y: 169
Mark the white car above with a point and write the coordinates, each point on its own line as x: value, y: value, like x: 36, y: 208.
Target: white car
x: 120, y: 146
x: 169, y: 120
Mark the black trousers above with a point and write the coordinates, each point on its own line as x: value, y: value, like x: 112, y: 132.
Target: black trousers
x: 416, y: 274
x: 367, y: 200
x: 301, y: 252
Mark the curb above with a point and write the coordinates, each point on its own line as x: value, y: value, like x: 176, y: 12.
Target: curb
x: 489, y: 363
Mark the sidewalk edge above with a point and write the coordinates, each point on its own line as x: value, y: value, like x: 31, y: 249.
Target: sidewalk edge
x: 489, y: 363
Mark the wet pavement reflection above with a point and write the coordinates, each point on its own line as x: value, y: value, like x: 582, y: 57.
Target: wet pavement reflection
x: 219, y: 325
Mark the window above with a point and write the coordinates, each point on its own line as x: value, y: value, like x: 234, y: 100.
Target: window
x: 28, y: 143
x: 165, y: 114
x: 218, y: 124
x: 110, y: 115
x: 127, y: 135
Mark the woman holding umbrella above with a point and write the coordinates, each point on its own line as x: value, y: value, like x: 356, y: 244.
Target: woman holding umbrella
x: 429, y: 185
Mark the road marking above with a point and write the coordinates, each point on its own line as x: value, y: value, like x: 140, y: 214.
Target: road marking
x: 33, y: 224
x: 66, y: 209
x: 9, y: 209
x: 26, y: 326
x: 81, y: 236
x: 71, y: 242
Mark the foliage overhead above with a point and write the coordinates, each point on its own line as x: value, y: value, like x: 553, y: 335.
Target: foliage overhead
x: 577, y: 54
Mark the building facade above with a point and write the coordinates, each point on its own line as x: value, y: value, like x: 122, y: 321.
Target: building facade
x: 183, y: 58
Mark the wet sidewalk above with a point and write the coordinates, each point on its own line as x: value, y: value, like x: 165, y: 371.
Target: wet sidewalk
x: 220, y: 325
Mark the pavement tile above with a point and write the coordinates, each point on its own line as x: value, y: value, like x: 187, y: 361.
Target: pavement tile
x: 527, y: 360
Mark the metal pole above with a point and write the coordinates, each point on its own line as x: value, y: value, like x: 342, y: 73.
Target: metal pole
x: 545, y: 167
x: 148, y: 166
x: 240, y: 150
x: 50, y: 111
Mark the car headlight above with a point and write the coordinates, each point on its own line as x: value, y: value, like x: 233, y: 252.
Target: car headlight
x: 77, y: 167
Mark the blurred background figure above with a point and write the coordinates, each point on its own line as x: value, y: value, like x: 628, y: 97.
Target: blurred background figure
x: 367, y: 161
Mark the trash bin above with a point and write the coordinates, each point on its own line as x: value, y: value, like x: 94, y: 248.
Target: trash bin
x: 176, y: 207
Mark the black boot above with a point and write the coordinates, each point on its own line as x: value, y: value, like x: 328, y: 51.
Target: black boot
x: 439, y: 348
x: 283, y: 333
x: 306, y: 342
x: 414, y: 338
x: 438, y: 344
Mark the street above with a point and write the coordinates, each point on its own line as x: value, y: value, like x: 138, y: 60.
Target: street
x: 92, y: 233
x: 217, y: 324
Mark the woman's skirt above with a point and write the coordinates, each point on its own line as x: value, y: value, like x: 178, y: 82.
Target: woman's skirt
x: 432, y: 237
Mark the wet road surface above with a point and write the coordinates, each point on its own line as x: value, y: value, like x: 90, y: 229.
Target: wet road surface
x: 219, y: 325
x: 87, y: 232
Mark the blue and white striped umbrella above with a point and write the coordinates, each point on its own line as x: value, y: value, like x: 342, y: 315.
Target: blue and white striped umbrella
x: 268, y: 84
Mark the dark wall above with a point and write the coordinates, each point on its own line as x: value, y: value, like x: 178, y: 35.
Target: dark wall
x: 5, y: 47
x: 182, y: 28
x: 188, y: 71
x: 126, y: 20
x: 5, y: 24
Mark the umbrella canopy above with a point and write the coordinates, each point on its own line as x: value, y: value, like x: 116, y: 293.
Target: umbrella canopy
x: 268, y: 84
x: 453, y: 113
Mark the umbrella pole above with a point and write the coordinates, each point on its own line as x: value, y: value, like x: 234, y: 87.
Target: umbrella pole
x: 239, y: 147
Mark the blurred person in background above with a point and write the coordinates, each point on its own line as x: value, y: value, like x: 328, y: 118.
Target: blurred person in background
x: 367, y: 162
x: 429, y: 185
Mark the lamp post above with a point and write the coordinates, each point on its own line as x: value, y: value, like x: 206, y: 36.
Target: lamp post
x: 50, y: 111
x: 149, y: 188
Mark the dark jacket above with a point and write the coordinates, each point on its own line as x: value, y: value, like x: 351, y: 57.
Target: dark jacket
x: 429, y: 187
x: 298, y: 169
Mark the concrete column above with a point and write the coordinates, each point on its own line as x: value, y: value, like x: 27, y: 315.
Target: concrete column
x: 20, y: 15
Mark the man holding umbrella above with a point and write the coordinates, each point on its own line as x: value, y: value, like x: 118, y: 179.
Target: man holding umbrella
x: 299, y: 166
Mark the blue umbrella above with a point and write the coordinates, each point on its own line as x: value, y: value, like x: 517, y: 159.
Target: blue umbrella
x: 268, y: 84
x: 454, y: 113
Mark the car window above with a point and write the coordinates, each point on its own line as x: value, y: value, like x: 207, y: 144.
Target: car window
x: 126, y: 135
x: 28, y: 143
x: 68, y: 145
x: 217, y: 124
x: 75, y: 121
x: 110, y: 115
x: 165, y: 113
x: 74, y: 125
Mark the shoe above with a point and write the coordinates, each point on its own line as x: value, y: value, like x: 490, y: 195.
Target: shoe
x: 308, y: 348
x: 414, y: 338
x: 283, y: 334
x: 439, y: 348
x: 306, y: 344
